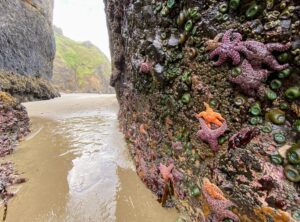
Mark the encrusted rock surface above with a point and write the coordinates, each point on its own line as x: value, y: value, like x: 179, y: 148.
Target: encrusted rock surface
x: 162, y: 73
x: 14, y: 123
x: 26, y: 88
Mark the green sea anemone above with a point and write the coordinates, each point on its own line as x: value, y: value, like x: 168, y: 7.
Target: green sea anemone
x: 236, y: 71
x: 297, y: 125
x: 222, y: 140
x: 279, y: 138
x: 293, y: 92
x: 171, y: 3
x: 283, y: 106
x: 186, y: 98
x: 270, y: 94
x: 188, y: 26
x: 283, y: 57
x: 276, y: 159
x: 223, y: 7
x: 252, y: 11
x: 255, y: 109
x: 225, y: 17
x: 213, y: 103
x: 255, y: 120
x: 276, y: 116
x: 234, y: 4
x: 293, y: 154
x: 194, y: 12
x: 267, y: 128
x: 292, y: 173
x: 195, y: 191
x: 276, y: 84
x: 284, y: 73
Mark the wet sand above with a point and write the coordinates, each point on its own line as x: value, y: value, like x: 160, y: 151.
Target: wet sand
x: 78, y: 167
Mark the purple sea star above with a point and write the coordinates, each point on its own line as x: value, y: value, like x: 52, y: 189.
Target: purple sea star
x: 211, y: 135
x: 250, y: 80
x: 259, y: 53
x: 256, y: 52
x: 226, y: 49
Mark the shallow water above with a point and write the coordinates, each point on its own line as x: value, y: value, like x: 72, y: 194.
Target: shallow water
x: 78, y: 167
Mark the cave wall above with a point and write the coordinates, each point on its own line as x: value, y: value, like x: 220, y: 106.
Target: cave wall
x: 27, y: 44
x: 164, y: 71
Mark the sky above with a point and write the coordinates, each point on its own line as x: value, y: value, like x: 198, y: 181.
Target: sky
x: 83, y: 20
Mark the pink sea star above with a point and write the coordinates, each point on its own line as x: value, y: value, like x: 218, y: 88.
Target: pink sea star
x: 145, y: 67
x: 250, y: 80
x: 211, y: 135
x: 166, y: 171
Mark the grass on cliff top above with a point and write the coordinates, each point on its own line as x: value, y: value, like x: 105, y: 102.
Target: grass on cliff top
x: 83, y: 58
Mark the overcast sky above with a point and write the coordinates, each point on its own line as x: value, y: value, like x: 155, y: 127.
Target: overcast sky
x: 83, y: 20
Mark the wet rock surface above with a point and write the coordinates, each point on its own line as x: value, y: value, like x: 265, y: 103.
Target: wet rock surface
x: 165, y: 68
x: 14, y: 123
x: 14, y: 126
x: 27, y: 43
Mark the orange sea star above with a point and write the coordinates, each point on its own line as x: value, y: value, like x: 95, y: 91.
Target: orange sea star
x: 277, y: 215
x: 210, y: 116
x: 212, y: 190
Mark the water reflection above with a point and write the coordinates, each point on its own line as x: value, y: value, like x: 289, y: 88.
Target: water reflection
x: 93, y: 181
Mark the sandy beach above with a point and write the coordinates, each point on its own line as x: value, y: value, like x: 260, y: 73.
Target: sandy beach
x: 78, y: 168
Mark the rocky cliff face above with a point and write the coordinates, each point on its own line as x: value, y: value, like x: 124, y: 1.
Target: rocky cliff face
x: 27, y: 48
x: 26, y: 39
x: 209, y: 94
x: 27, y: 51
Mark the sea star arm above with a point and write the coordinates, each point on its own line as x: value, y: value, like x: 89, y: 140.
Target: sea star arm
x: 243, y: 49
x: 226, y: 36
x: 208, y: 124
x: 278, y: 47
x: 227, y: 214
x: 218, y: 37
x: 217, y: 122
x: 234, y: 79
x: 237, y: 37
x: 219, y: 116
x: 214, y: 53
x: 221, y: 130
x: 203, y: 125
x: 200, y: 115
x: 235, y: 56
x: 221, y: 60
x: 272, y: 62
x: 264, y: 74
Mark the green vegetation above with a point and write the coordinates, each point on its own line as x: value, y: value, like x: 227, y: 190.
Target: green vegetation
x: 84, y: 58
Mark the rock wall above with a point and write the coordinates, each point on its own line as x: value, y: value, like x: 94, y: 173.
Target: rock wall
x: 27, y: 43
x: 209, y: 103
